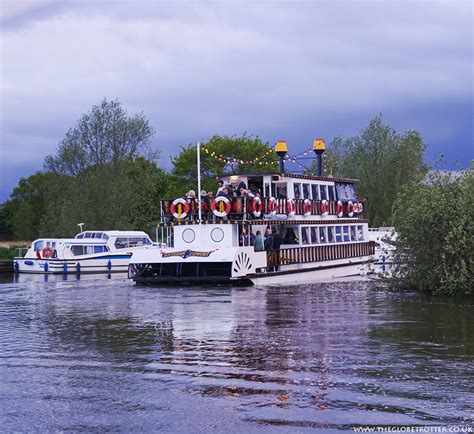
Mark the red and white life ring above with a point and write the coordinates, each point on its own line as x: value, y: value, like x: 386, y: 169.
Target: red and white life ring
x: 179, y: 208
x: 272, y: 207
x: 339, y: 209
x: 350, y: 208
x: 307, y: 208
x: 290, y: 207
x: 324, y: 207
x: 257, y: 207
x: 360, y: 207
x: 218, y: 209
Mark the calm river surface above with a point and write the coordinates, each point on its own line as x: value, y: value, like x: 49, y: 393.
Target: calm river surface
x: 102, y: 354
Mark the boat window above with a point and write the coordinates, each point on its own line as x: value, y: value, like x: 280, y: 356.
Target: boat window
x: 305, y: 235
x: 330, y: 234
x: 281, y: 191
x: 267, y: 192
x: 297, y: 189
x: 331, y: 192
x: 306, y: 194
x: 121, y: 243
x: 88, y: 250
x: 290, y: 237
x: 80, y: 236
x: 322, y: 235
x: 87, y: 235
x: 98, y: 249
x: 314, y: 235
x: 315, y: 191
x: 77, y: 250
x: 322, y: 192
x: 105, y: 236
x: 346, y: 233
x: 38, y: 245
x: 360, y: 233
x: 345, y: 192
x: 338, y: 234
x: 353, y: 233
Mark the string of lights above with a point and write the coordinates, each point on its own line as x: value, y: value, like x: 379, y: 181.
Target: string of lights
x: 257, y: 160
x: 261, y: 159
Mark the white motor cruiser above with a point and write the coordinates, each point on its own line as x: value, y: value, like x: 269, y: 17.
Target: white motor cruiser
x: 88, y: 252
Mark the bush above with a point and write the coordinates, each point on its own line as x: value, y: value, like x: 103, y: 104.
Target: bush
x: 435, y: 237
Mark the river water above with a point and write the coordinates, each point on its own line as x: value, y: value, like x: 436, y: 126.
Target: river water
x: 102, y: 354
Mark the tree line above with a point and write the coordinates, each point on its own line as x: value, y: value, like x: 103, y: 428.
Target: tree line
x: 104, y: 174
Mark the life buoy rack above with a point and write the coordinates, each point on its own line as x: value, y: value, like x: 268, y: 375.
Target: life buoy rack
x: 221, y: 206
x: 272, y: 207
x: 179, y: 208
x: 257, y: 207
x: 339, y: 209
x: 358, y: 208
x: 290, y: 207
x: 324, y: 207
x: 350, y: 208
x: 307, y: 208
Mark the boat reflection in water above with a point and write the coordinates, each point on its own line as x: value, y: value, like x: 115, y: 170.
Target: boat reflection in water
x: 108, y: 355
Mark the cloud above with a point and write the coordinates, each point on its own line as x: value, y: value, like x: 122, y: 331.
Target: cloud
x: 277, y: 69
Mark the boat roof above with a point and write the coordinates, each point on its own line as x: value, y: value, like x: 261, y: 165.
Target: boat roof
x: 296, y: 176
x: 116, y: 233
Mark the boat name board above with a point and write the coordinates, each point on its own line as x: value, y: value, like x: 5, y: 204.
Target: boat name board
x: 186, y: 254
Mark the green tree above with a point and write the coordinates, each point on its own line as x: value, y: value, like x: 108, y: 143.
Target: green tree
x: 6, y: 232
x: 435, y: 234
x: 230, y: 155
x: 383, y: 160
x: 27, y: 203
x: 105, y: 173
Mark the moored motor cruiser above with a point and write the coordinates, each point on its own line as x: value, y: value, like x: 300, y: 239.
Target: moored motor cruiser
x: 88, y: 252
x: 291, y: 227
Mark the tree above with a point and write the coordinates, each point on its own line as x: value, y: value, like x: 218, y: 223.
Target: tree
x: 435, y: 235
x: 246, y: 154
x: 104, y: 136
x: 383, y: 160
x: 6, y: 232
x: 27, y: 203
x: 105, y: 171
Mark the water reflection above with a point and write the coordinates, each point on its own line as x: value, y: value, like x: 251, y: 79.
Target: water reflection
x: 326, y: 356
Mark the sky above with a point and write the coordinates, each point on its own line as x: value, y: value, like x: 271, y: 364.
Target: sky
x: 292, y: 70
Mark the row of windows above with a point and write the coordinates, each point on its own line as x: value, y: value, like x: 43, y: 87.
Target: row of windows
x: 100, y: 235
x: 331, y: 234
x: 124, y: 243
x: 88, y: 250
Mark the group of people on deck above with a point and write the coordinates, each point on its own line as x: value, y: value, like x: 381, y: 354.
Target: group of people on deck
x: 228, y: 191
x: 270, y: 240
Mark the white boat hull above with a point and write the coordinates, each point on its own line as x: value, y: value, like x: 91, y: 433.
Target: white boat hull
x: 104, y: 264
x: 316, y: 273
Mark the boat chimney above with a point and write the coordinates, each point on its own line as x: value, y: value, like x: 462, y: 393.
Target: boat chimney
x: 319, y: 147
x: 281, y: 149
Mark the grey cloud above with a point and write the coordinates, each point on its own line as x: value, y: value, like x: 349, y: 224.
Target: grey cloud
x: 278, y: 69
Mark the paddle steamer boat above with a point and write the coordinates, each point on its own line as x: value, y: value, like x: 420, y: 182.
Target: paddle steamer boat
x: 318, y: 219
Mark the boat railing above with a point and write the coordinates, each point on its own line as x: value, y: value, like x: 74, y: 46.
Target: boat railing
x: 307, y: 254
x: 247, y: 208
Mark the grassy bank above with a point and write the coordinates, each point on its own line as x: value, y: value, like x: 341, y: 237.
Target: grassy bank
x: 10, y: 250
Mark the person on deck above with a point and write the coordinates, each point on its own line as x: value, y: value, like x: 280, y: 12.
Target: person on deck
x: 259, y: 242
x: 222, y: 193
x: 245, y: 238
x: 220, y: 188
x: 268, y: 240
